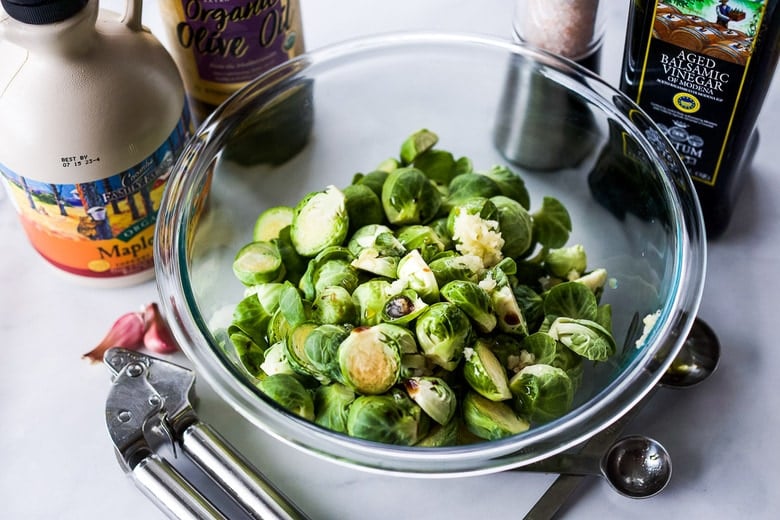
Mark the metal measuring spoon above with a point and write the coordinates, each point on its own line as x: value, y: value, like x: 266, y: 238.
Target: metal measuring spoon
x: 697, y: 360
x: 635, y: 466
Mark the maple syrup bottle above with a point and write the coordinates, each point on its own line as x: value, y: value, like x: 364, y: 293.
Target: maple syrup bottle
x: 701, y: 72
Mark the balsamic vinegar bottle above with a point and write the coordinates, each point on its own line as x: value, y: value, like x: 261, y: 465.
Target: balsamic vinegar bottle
x: 701, y: 70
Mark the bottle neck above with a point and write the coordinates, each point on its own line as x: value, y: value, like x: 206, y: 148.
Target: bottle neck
x: 70, y: 37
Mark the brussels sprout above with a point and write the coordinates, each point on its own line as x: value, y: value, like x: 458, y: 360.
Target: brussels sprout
x: 375, y: 179
x: 594, y: 280
x: 295, y: 348
x: 438, y: 165
x: 294, y: 264
x: 422, y: 238
x: 382, y: 256
x: 443, y: 331
x: 441, y: 435
x: 370, y: 357
x: 386, y: 418
x: 515, y: 225
x: 365, y: 238
x: 570, y: 362
x: 457, y: 267
x: 434, y: 396
x: 541, y: 346
x: 571, y: 299
x: 320, y: 220
x: 292, y: 306
x: 531, y: 304
x: 468, y: 186
x: 484, y: 373
x: 566, y: 262
x: 510, y: 184
x: 543, y: 392
x: 510, y: 316
x: 474, y: 301
x: 552, y: 223
x: 417, y: 275
x: 335, y: 273
x: 288, y: 393
x: 491, y: 420
x: 278, y: 328
x: 474, y: 229
x: 369, y: 299
x: 268, y: 294
x: 331, y: 403
x: 250, y: 354
x: 275, y: 361
x: 403, y: 307
x: 258, y: 262
x: 585, y: 337
x: 334, y: 305
x: 409, y: 197
x: 416, y: 144
x: 271, y: 222
x: 251, y: 318
x: 320, y: 350
x: 363, y: 206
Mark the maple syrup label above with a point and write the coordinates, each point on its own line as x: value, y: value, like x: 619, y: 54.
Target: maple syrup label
x: 695, y: 66
x: 97, y: 229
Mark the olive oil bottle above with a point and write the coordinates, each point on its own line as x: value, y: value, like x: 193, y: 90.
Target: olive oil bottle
x: 701, y: 70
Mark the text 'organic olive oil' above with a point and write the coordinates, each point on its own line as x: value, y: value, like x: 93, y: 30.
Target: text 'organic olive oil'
x: 701, y: 70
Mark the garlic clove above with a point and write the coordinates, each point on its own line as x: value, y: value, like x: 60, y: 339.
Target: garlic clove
x: 158, y: 337
x: 127, y: 332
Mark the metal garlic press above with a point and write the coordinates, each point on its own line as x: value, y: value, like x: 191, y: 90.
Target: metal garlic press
x: 149, y: 413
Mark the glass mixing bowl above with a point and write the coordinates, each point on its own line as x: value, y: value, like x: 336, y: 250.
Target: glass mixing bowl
x: 331, y: 113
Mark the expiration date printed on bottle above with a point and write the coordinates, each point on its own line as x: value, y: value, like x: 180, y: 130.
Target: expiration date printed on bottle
x: 695, y: 64
x: 102, y: 228
x: 75, y: 161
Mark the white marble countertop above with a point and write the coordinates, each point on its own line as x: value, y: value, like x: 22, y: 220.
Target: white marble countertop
x: 57, y: 458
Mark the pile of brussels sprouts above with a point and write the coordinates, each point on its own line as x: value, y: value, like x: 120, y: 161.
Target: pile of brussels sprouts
x: 424, y: 304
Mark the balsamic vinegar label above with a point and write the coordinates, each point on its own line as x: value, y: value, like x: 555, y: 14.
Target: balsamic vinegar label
x: 695, y: 66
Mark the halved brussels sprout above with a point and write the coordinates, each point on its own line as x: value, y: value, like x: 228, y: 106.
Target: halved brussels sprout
x: 417, y: 275
x: 416, y: 144
x: 370, y: 357
x: 320, y: 350
x: 334, y: 305
x: 491, y: 420
x: 271, y: 222
x: 295, y: 348
x: 434, y: 396
x: 510, y: 184
x: 258, y: 262
x: 403, y: 307
x: 456, y: 267
x: 331, y: 403
x: 544, y: 392
x: 369, y: 299
x: 320, y: 220
x: 566, y: 262
x: 474, y: 301
x: 288, y: 393
x: 443, y: 331
x: 515, y: 225
x: 585, y: 337
x: 363, y: 206
x: 365, y: 237
x: 275, y: 361
x: 409, y: 197
x: 484, y: 373
x: 382, y: 256
x: 386, y: 418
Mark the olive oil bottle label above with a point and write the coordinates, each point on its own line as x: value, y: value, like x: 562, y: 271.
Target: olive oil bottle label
x: 695, y: 66
x: 220, y: 45
x: 98, y: 229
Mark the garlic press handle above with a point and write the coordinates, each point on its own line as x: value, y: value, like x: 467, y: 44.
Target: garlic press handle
x: 170, y: 492
x: 244, y: 483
